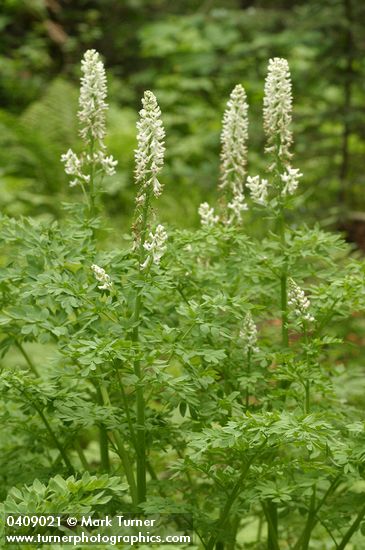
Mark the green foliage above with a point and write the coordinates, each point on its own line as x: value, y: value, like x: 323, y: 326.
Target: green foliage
x: 79, y: 496
x: 154, y: 393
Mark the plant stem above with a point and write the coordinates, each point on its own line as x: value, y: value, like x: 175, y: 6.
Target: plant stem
x: 140, y: 413
x: 119, y: 445
x: 231, y: 545
x: 55, y: 439
x: 81, y: 455
x: 307, y: 382
x: 103, y: 436
x: 127, y: 466
x: 352, y: 529
x: 127, y: 411
x: 308, y: 525
x: 248, y: 376
x: 30, y: 363
x: 271, y: 514
x: 259, y: 529
x: 307, y: 397
x: 229, y: 503
x: 314, y: 519
x: 92, y: 183
x: 284, y: 284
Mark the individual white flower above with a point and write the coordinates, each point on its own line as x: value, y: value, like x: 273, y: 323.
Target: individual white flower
x: 291, y: 180
x: 91, y: 114
x: 233, y: 140
x: 207, y: 216
x: 156, y: 246
x: 236, y: 206
x: 258, y: 189
x: 299, y: 302
x: 149, y: 155
x: 102, y: 277
x: 248, y: 334
x: 278, y: 109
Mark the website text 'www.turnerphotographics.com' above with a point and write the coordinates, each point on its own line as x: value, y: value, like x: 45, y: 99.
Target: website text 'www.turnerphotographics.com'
x: 76, y: 530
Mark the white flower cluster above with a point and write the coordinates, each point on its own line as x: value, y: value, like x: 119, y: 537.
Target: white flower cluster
x: 290, y: 180
x: 149, y: 155
x: 234, y: 153
x: 102, y: 277
x: 278, y: 110
x: 207, y: 216
x: 299, y: 302
x: 91, y: 114
x: 233, y: 139
x: 73, y: 167
x: 93, y: 92
x: 236, y: 206
x: 156, y: 246
x: 248, y: 334
x: 258, y: 189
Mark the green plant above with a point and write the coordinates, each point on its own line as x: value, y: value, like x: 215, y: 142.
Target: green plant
x: 198, y: 367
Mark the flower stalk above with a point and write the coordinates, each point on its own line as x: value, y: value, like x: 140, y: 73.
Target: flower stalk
x: 93, y: 160
x: 248, y: 336
x: 234, y: 138
x: 149, y: 157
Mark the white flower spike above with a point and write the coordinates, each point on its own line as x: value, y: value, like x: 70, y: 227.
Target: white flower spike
x: 155, y: 246
x: 91, y: 114
x: 299, y: 302
x: 149, y: 155
x: 92, y: 104
x: 233, y: 139
x: 248, y: 334
x: 102, y: 277
x: 278, y: 110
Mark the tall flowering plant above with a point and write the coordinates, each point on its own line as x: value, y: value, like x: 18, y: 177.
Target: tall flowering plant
x: 193, y: 371
x: 93, y: 163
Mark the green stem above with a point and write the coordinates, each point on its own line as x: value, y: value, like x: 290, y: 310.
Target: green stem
x: 55, y: 439
x: 314, y: 519
x: 119, y: 445
x: 30, y: 363
x: 352, y: 529
x: 307, y: 382
x: 140, y: 413
x: 103, y: 436
x: 248, y: 376
x: 92, y: 183
x: 271, y: 514
x: 81, y: 455
x: 229, y: 503
x: 127, y: 411
x: 231, y: 545
x: 127, y: 467
x: 85, y: 195
x: 308, y: 525
x: 270, y: 509
x: 307, y: 397
x: 284, y: 284
x: 259, y: 529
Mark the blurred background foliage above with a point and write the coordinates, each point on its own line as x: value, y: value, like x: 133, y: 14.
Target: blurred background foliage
x: 191, y: 54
